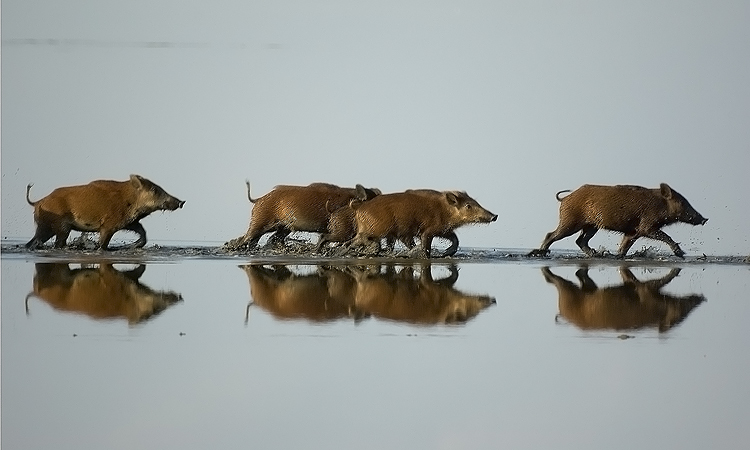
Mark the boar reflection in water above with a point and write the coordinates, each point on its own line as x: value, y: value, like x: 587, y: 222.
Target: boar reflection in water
x: 402, y: 297
x: 100, y: 293
x: 632, y: 305
x: 341, y: 292
x: 319, y: 297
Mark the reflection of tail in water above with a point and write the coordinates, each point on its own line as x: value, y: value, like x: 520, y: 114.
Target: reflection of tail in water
x: 632, y: 305
x: 357, y: 292
x: 100, y: 293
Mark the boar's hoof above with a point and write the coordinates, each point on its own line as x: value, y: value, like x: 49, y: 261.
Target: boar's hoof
x: 235, y: 244
x: 538, y: 252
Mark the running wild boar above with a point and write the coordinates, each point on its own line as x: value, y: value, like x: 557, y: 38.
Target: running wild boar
x: 633, y: 210
x: 296, y: 208
x: 103, y: 206
x: 407, y: 215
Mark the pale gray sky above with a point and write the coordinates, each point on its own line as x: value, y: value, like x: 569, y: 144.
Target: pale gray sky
x: 510, y: 101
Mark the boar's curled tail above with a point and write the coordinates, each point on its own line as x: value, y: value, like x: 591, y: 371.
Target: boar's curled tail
x: 252, y: 200
x: 28, y: 189
x: 557, y: 196
x: 26, y: 301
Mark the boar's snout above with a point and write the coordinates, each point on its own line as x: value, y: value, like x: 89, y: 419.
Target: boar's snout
x: 487, y: 217
x: 173, y: 203
x: 696, y: 219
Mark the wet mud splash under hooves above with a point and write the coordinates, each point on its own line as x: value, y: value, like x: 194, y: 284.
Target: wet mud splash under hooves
x: 298, y: 251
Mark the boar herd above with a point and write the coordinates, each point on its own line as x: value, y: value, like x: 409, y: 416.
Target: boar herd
x: 357, y: 221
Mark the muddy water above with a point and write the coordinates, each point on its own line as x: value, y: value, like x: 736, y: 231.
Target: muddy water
x: 188, y: 348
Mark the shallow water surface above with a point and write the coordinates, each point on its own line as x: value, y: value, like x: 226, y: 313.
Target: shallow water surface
x: 173, y: 348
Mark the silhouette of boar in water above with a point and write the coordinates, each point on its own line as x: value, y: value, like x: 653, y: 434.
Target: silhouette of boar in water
x: 633, y: 210
x: 633, y: 305
x: 407, y: 215
x: 103, y: 206
x: 324, y: 296
x: 334, y: 293
x: 402, y: 297
x: 103, y: 293
x: 296, y: 208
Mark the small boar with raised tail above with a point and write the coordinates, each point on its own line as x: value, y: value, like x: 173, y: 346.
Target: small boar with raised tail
x: 296, y: 208
x: 634, y: 211
x: 103, y: 206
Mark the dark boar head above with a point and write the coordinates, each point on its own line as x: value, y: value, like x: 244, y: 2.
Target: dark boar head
x: 680, y: 208
x: 151, y: 197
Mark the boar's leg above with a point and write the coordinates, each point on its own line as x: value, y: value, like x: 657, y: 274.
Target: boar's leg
x: 134, y: 274
x: 243, y: 241
x: 390, y: 244
x: 249, y: 239
x: 656, y: 285
x: 427, y: 244
x: 337, y: 236
x: 664, y: 237
x: 549, y: 277
x: 42, y: 235
x: 279, y: 237
x: 408, y: 242
x: 627, y: 241
x: 362, y: 245
x: 137, y: 228
x: 324, y: 239
x: 562, y: 231
x: 61, y: 237
x: 450, y: 251
x: 587, y: 284
x: 104, y: 237
x: 583, y: 240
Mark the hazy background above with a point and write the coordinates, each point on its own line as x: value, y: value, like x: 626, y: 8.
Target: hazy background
x: 508, y: 100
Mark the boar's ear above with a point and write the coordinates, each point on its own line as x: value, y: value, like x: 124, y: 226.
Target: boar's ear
x: 452, y: 198
x: 136, y: 180
x: 377, y: 191
x: 361, y: 192
x: 666, y: 191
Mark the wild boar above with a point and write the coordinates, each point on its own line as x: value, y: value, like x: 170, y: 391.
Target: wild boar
x: 341, y: 226
x: 451, y: 235
x: 633, y: 210
x: 323, y: 296
x: 402, y: 297
x: 296, y: 208
x: 633, y: 305
x: 103, y: 206
x: 407, y: 215
x: 100, y: 293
